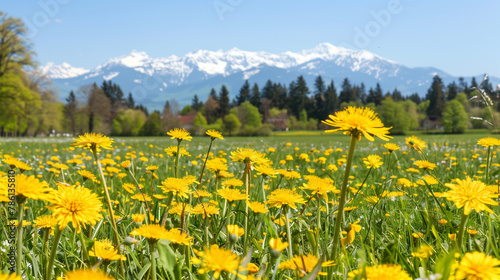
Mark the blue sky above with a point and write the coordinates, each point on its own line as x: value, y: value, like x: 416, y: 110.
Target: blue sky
x: 459, y: 37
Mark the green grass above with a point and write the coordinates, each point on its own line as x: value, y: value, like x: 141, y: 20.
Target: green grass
x: 388, y: 227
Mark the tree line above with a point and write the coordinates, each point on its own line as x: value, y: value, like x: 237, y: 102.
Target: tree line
x: 451, y: 108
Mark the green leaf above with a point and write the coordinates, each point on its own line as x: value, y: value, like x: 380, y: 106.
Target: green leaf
x: 144, y: 270
x: 168, y: 260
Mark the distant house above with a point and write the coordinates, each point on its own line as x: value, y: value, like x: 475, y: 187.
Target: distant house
x: 187, y: 120
x: 432, y: 123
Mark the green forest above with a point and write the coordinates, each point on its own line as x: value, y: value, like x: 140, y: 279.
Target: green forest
x: 29, y: 107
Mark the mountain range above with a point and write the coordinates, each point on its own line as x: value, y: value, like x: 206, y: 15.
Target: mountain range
x: 152, y: 81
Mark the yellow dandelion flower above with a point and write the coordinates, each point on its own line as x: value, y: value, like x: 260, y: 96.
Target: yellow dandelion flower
x: 9, y: 276
x: 87, y: 175
x: 380, y: 272
x: 304, y: 264
x: 141, y: 197
x: 216, y: 165
x: 427, y: 179
x: 24, y: 166
x: 489, y: 142
x: 250, y: 156
x: 217, y: 260
x: 319, y: 185
x: 176, y: 186
x: 93, y: 141
x: 477, y: 265
x: 105, y: 250
x: 391, y: 147
x: 206, y: 209
x: 172, y: 151
x: 138, y: 218
x: 233, y: 182
x: 281, y: 197
x: 276, y: 245
x: 125, y: 164
x: 45, y: 222
x: 424, y: 252
x: 231, y: 194
x: 416, y: 143
x: 257, y: 207
x: 152, y: 168
x: 424, y: 164
x: 373, y: 161
x: 87, y: 274
x: 214, y: 134
x: 358, y: 122
x: 77, y: 205
x: 235, y: 232
x: 470, y: 195
x: 31, y: 187
x: 180, y: 134
x: 266, y: 170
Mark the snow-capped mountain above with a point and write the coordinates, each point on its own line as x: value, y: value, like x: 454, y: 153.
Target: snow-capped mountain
x: 152, y: 81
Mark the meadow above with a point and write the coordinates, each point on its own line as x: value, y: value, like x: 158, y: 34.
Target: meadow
x: 252, y: 208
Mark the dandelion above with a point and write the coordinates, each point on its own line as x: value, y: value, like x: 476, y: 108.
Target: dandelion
x: 217, y: 260
x: 250, y: 156
x: 231, y: 194
x: 277, y: 246
x: 86, y: 274
x: 489, y: 142
x: 416, y: 143
x: 176, y: 186
x: 380, y: 272
x: 93, y: 141
x: 477, y: 265
x: 77, y: 205
x: 180, y: 134
x: 154, y: 232
x: 304, y: 264
x: 10, y: 277
x: 86, y: 175
x: 358, y: 122
x: 234, y: 232
x: 373, y: 161
x: 105, y: 250
x: 214, y: 134
x: 391, y: 147
x: 257, y: 207
x: 425, y: 165
x: 233, y: 182
x: 266, y: 170
x: 284, y: 197
x: 470, y: 194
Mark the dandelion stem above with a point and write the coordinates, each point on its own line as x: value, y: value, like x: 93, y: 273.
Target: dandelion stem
x: 19, y: 256
x: 205, y: 163
x: 461, y: 229
x: 288, y: 234
x: 247, y: 187
x: 153, y: 260
x: 343, y: 192
x: 488, y: 159
x: 84, y: 247
x: 177, y: 158
x: 110, y: 210
x: 50, y: 265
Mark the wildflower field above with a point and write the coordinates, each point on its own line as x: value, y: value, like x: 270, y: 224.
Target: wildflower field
x: 362, y: 205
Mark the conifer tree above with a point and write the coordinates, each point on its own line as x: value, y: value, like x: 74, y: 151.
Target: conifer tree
x: 223, y: 102
x: 435, y: 95
x: 244, y: 94
x: 255, y: 98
